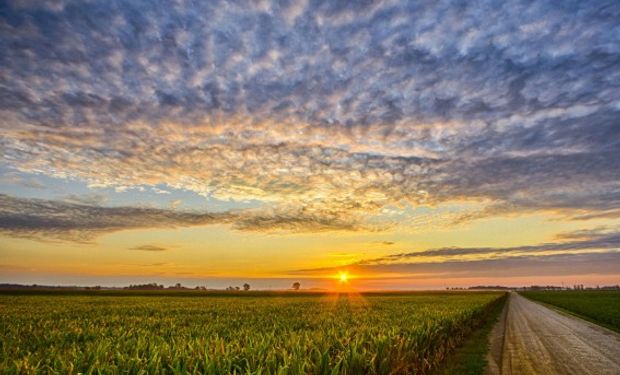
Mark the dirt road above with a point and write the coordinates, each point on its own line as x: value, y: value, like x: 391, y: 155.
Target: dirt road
x: 533, y: 339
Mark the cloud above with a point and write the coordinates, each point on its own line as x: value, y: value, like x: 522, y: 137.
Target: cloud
x: 149, y: 248
x: 588, y: 234
x: 87, y: 199
x: 333, y: 109
x: 15, y: 178
x: 550, y: 265
x: 569, y: 264
x: 600, y: 239
x: 57, y: 219
x: 593, y: 251
x: 41, y: 219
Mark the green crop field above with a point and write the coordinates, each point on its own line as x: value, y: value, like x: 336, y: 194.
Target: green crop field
x: 258, y: 334
x: 602, y: 307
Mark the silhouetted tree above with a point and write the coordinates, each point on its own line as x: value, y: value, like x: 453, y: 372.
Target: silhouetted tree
x: 150, y: 286
x: 296, y: 285
x: 246, y: 287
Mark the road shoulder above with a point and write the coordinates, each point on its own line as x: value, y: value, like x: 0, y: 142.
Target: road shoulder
x: 496, y: 342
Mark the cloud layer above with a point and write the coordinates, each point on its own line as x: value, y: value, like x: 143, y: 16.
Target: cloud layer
x: 591, y: 252
x: 66, y: 220
x: 148, y: 248
x: 570, y: 243
x: 323, y: 111
x: 573, y: 265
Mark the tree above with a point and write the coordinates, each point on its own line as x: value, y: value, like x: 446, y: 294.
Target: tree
x: 246, y: 287
x: 296, y: 285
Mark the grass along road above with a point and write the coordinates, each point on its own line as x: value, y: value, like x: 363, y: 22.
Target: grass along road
x: 472, y: 356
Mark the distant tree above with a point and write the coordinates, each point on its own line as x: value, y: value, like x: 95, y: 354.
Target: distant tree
x: 237, y: 288
x: 246, y: 287
x: 150, y: 286
x: 296, y: 285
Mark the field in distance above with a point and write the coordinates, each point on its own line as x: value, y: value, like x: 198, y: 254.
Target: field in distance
x: 269, y: 333
x: 598, y: 306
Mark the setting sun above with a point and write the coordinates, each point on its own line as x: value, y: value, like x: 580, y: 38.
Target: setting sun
x: 343, y: 277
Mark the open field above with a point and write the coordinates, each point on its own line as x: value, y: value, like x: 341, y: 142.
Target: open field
x: 602, y: 307
x: 270, y: 333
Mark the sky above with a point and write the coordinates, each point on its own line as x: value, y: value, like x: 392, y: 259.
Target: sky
x: 413, y: 145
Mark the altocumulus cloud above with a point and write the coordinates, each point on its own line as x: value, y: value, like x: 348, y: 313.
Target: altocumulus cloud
x: 330, y: 109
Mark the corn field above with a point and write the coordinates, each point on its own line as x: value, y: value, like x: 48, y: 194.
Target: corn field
x: 279, y: 334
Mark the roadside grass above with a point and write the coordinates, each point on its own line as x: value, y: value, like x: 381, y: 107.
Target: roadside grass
x: 600, y: 307
x: 470, y: 357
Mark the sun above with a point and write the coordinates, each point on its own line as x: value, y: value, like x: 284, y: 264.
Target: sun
x: 343, y: 277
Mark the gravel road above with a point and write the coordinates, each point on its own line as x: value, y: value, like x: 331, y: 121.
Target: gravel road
x: 533, y: 339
